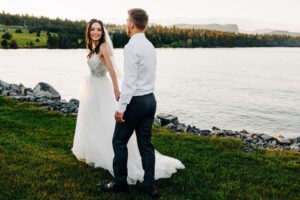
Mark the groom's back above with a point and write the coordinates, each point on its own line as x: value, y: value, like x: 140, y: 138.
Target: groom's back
x: 143, y: 53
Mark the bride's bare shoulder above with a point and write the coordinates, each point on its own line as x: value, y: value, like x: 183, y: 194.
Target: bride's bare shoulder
x: 104, y: 45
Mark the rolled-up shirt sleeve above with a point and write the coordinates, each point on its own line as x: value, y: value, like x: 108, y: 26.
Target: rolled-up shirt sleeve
x: 131, y: 60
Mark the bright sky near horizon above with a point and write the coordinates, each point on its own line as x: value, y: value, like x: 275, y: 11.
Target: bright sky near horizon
x: 249, y: 15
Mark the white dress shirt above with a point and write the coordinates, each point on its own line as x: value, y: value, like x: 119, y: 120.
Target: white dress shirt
x: 139, y: 69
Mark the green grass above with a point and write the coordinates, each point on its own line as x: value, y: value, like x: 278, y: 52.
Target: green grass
x: 36, y: 163
x: 25, y: 37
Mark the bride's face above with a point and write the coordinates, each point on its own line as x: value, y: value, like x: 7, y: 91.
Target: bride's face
x: 96, y: 31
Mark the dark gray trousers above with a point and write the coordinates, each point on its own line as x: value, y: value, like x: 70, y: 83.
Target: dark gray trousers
x: 139, y: 117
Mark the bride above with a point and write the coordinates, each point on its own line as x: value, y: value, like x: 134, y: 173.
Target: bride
x: 95, y: 120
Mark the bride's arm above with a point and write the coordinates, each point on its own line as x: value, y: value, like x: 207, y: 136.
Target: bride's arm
x: 108, y: 63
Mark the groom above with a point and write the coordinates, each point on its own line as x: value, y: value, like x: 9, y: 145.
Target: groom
x: 137, y: 106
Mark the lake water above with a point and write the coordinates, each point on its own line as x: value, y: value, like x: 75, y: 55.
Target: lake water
x: 257, y: 89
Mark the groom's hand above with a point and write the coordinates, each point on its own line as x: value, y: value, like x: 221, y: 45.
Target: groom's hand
x: 119, y: 117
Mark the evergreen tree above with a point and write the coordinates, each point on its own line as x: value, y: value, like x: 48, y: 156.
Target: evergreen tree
x: 4, y: 43
x: 18, y: 30
x: 7, y: 36
x: 14, y: 44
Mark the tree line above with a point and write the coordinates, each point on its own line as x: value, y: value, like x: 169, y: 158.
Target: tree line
x: 71, y: 34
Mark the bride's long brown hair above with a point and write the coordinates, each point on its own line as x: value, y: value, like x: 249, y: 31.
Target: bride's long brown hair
x: 88, y: 39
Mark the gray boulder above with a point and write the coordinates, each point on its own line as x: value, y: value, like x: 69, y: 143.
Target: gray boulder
x: 14, y: 88
x: 243, y: 135
x: 230, y: 132
x: 218, y: 132
x: 254, y: 135
x: 4, y: 85
x: 215, y: 128
x: 254, y: 140
x: 277, y: 135
x: 265, y: 137
x: 22, y: 89
x: 74, y: 102
x: 248, y: 139
x: 62, y: 101
x: 283, y: 141
x: 30, y: 94
x: 45, y: 90
x: 274, y: 142
x: 193, y: 130
x: 13, y: 93
x: 181, y: 127
x: 171, y: 126
x: 205, y: 132
x: 71, y: 107
x: 295, y: 147
x: 188, y: 128
x: 295, y: 140
x: 41, y: 99
x: 22, y: 98
x: 157, y: 121
x: 244, y: 131
x: 5, y: 92
x: 29, y: 91
x: 166, y: 119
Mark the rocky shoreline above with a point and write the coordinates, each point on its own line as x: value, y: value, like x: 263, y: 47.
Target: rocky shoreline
x: 50, y: 99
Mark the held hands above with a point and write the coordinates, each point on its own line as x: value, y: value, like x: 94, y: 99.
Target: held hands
x: 119, y: 117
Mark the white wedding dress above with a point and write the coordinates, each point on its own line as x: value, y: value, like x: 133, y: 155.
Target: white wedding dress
x: 95, y: 127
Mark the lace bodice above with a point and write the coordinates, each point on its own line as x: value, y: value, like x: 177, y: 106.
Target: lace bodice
x: 97, y: 68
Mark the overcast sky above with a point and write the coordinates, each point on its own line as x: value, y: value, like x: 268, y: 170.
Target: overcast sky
x: 249, y: 15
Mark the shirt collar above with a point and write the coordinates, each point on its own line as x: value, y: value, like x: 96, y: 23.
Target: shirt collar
x: 137, y: 35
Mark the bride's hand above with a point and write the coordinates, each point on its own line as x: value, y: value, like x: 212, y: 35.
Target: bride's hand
x: 117, y: 95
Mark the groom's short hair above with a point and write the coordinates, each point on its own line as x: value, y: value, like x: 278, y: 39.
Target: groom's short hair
x: 139, y: 17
